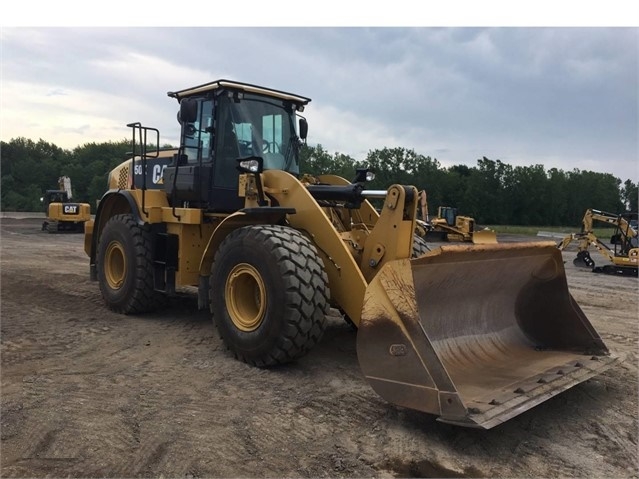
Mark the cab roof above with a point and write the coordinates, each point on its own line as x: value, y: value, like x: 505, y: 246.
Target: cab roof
x: 238, y: 86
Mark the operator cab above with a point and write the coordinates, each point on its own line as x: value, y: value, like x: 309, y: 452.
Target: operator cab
x: 221, y: 123
x: 54, y: 196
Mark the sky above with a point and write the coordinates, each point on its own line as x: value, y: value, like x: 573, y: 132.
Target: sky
x: 561, y: 91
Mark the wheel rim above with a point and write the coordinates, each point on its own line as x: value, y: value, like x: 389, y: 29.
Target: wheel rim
x: 245, y: 297
x: 115, y: 265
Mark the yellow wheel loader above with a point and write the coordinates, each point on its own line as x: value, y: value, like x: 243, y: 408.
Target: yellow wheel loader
x: 474, y: 334
x: 63, y: 215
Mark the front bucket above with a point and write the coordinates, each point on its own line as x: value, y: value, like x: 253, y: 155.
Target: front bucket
x: 583, y: 260
x: 476, y: 334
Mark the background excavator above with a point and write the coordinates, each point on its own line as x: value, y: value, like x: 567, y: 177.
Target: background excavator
x: 623, y: 256
x: 449, y: 226
x: 474, y: 334
x: 62, y: 213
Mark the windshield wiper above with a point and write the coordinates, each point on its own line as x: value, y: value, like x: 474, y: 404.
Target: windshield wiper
x: 288, y: 157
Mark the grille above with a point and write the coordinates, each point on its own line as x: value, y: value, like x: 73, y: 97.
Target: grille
x: 122, y: 180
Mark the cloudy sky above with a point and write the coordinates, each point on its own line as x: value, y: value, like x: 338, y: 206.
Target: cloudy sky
x: 565, y: 97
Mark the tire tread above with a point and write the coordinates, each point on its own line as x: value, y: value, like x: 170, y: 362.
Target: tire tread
x: 307, y: 292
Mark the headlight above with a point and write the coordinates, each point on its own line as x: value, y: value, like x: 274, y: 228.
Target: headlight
x: 250, y: 165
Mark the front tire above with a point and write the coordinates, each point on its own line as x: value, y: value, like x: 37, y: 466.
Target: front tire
x: 420, y: 247
x: 125, y: 266
x: 269, y: 294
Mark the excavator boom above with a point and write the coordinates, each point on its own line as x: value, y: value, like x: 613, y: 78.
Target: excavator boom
x: 624, y: 257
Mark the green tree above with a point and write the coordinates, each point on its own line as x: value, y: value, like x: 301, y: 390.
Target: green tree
x: 630, y: 195
x: 589, y: 189
x: 485, y: 198
x: 89, y: 166
x: 450, y: 188
x: 528, y: 195
x: 556, y: 212
x: 492, y: 192
x: 315, y: 160
x: 400, y: 166
x: 33, y: 167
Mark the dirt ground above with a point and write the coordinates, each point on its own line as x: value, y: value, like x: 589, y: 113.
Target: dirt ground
x: 89, y: 393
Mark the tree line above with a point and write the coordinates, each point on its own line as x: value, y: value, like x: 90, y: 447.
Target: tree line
x: 493, y: 192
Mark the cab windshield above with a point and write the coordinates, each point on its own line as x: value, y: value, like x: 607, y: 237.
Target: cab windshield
x: 264, y: 127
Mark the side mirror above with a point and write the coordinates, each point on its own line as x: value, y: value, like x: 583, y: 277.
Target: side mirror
x: 303, y: 128
x: 188, y: 111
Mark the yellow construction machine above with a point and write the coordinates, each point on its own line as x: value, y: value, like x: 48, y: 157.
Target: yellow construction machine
x: 62, y: 213
x: 449, y: 226
x: 623, y: 256
x: 474, y: 334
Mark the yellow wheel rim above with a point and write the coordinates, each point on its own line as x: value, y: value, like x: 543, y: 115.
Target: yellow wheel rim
x: 115, y: 265
x: 245, y: 297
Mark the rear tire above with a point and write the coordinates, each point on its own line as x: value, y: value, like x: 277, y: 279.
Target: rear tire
x: 269, y: 294
x: 125, y: 266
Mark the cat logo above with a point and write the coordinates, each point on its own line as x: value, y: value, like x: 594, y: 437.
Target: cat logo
x: 70, y: 209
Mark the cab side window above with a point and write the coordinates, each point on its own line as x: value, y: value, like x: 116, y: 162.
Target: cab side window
x: 198, y: 135
x: 227, y: 148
